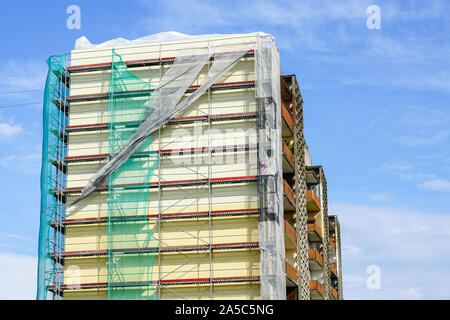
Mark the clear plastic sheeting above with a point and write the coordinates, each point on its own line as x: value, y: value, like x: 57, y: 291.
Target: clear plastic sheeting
x: 270, y: 186
x: 164, y: 105
x: 83, y: 43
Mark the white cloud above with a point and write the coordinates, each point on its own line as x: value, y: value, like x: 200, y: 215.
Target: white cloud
x: 413, y: 293
x: 411, y: 248
x: 14, y: 236
x: 327, y: 33
x: 22, y: 84
x: 18, y: 276
x: 26, y: 163
x: 380, y: 197
x: 14, y: 78
x: 350, y: 248
x: 436, y: 185
x: 297, y: 18
x: 7, y: 130
x: 437, y: 137
x: 396, y: 166
x: 420, y: 116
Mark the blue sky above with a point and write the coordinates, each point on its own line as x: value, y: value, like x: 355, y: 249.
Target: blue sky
x: 377, y: 117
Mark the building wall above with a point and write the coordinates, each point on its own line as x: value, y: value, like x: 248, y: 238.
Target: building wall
x: 242, y: 262
x: 177, y: 238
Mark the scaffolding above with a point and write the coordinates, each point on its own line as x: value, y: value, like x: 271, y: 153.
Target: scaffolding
x: 187, y: 212
x: 53, y: 179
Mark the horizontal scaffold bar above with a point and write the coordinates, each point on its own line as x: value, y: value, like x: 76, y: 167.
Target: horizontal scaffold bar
x: 164, y: 216
x: 146, y: 92
x: 201, y: 247
x: 131, y: 64
x: 176, y: 120
x: 166, y: 152
x: 101, y: 285
x: 175, y: 183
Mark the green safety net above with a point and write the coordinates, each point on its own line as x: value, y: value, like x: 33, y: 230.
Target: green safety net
x: 132, y: 247
x: 54, y: 121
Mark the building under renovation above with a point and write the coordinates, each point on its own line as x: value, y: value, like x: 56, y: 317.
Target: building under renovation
x: 176, y: 168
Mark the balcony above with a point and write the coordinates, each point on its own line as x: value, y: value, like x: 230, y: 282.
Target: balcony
x: 311, y: 177
x: 291, y: 293
x: 314, y: 231
x: 291, y: 275
x: 288, y: 159
x: 288, y: 122
x: 285, y: 92
x: 333, y: 269
x: 289, y: 197
x: 312, y: 201
x: 334, y: 294
x: 316, y: 290
x: 290, y: 236
x: 332, y: 243
x: 315, y: 260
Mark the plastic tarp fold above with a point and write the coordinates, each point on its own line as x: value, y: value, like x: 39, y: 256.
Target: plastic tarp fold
x: 164, y: 105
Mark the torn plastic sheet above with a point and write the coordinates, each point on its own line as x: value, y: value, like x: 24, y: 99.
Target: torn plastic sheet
x: 163, y: 106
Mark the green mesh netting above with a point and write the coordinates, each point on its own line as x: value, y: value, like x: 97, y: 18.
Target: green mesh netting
x: 132, y: 248
x: 53, y: 121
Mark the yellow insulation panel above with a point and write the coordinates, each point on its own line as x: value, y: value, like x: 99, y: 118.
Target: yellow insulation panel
x: 224, y: 291
x: 185, y: 136
x: 98, y: 82
x: 169, y: 232
x: 173, y: 200
x: 173, y: 266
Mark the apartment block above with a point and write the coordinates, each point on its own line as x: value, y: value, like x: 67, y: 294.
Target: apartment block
x: 178, y: 169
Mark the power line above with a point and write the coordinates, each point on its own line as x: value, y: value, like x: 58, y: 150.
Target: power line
x: 21, y: 91
x: 20, y: 105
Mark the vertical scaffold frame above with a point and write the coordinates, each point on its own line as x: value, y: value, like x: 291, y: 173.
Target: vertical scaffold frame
x: 53, y: 179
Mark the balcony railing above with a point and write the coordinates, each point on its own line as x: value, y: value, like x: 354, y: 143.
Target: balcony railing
x: 290, y: 194
x: 316, y: 288
x: 334, y: 293
x: 312, y: 201
x: 291, y: 272
x: 315, y: 258
x: 332, y: 243
x: 314, y: 231
x: 333, y: 268
x: 288, y: 156
x: 290, y: 232
x: 287, y: 116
